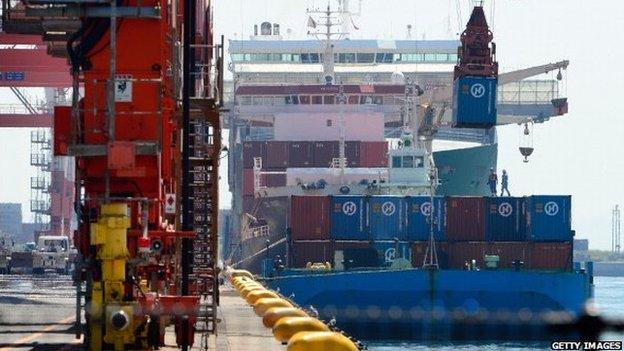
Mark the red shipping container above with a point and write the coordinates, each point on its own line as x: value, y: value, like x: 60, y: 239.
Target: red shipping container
x: 309, y: 217
x: 302, y: 252
x: 352, y: 153
x: 374, y: 154
x: 276, y: 155
x: 465, y: 218
x: 248, y: 181
x: 462, y: 252
x: 300, y: 154
x: 551, y: 256
x: 324, y: 152
x: 252, y: 149
x: 419, y: 249
x: 508, y: 252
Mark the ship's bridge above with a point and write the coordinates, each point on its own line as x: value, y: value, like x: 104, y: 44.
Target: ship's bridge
x: 356, y: 61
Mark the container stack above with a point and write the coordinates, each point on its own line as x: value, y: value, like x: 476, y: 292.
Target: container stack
x: 485, y: 232
x: 293, y: 158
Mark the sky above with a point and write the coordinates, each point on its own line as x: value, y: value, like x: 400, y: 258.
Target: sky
x: 578, y: 154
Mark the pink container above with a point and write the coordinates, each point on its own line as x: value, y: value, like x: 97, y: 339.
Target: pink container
x: 363, y: 126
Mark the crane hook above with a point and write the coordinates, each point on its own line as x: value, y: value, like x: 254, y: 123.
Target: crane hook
x: 559, y: 75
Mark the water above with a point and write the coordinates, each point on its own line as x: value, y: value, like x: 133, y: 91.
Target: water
x: 608, y: 296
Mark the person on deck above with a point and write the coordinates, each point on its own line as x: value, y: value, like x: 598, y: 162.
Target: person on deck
x: 505, y: 183
x: 493, y: 181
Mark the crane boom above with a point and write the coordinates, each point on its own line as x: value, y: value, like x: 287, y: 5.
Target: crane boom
x: 521, y: 74
x: 444, y: 94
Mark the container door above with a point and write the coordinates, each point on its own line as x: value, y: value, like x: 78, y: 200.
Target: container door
x: 349, y: 218
x: 387, y: 217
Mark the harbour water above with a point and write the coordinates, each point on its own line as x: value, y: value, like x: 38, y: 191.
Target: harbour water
x: 608, y: 297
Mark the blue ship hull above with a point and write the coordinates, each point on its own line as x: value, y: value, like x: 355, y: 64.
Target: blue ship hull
x: 438, y: 304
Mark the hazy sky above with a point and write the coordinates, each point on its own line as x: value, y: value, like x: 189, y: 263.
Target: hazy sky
x: 578, y: 154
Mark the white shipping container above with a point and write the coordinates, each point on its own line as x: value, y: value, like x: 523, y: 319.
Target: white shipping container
x: 297, y: 176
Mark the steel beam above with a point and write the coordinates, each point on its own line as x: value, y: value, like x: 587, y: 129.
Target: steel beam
x: 44, y: 120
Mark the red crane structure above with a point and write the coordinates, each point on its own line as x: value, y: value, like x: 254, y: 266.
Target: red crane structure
x: 144, y: 131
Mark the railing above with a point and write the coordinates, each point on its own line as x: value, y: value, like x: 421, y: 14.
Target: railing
x: 19, y: 109
x: 528, y: 92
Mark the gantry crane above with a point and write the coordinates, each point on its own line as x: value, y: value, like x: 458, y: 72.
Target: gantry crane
x: 146, y: 138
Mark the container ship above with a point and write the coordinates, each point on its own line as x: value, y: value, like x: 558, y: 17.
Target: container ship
x: 359, y: 176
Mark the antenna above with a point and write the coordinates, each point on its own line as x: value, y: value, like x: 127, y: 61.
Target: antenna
x: 327, y: 18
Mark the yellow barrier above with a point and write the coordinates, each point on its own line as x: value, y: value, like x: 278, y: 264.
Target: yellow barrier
x: 286, y: 327
x: 249, y: 288
x: 255, y: 295
x: 274, y: 314
x: 263, y: 304
x: 320, y: 341
x: 241, y: 273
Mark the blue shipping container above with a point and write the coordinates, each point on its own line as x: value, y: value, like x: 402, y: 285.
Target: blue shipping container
x: 419, y: 218
x: 505, y: 219
x: 387, y: 251
x: 474, y: 102
x: 349, y: 218
x: 549, y: 218
x: 387, y: 217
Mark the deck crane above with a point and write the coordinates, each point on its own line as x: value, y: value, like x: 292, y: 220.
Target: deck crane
x: 145, y: 134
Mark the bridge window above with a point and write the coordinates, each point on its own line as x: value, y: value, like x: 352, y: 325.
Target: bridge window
x: 384, y: 58
x: 430, y: 57
x: 310, y: 58
x: 304, y: 99
x: 292, y: 100
x: 365, y: 58
x: 328, y: 99
x: 408, y: 162
x: 317, y: 100
x: 419, y: 162
x: 396, y: 161
x: 353, y: 99
x: 346, y: 58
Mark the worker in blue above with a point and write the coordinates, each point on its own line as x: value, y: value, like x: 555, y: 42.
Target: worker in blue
x: 493, y: 181
x: 505, y: 183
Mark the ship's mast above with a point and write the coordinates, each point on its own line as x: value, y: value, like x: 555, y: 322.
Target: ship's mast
x: 328, y: 19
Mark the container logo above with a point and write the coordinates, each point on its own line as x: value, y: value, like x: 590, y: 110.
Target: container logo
x: 390, y: 255
x: 477, y: 90
x: 349, y: 208
x: 426, y: 208
x: 388, y: 208
x: 551, y: 208
x: 505, y: 209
